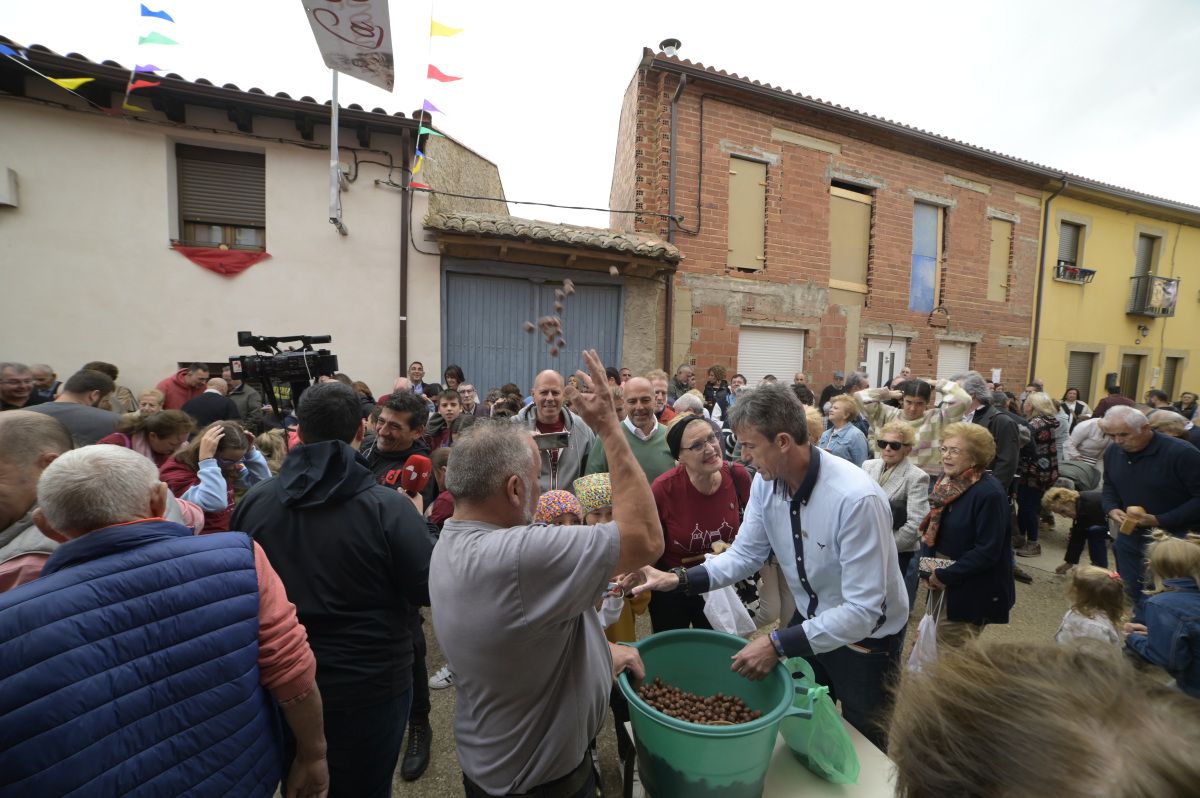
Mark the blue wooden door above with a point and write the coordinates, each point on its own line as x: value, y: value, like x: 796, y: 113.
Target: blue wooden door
x: 483, y: 327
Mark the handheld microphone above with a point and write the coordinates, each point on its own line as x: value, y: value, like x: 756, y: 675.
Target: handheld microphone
x: 414, y: 478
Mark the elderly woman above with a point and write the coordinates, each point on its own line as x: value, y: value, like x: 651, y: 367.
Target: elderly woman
x: 689, y: 404
x: 1088, y: 524
x: 907, y: 489
x: 700, y: 502
x: 968, y: 523
x: 843, y: 439
x: 1038, y: 469
x: 1168, y: 422
x: 915, y: 397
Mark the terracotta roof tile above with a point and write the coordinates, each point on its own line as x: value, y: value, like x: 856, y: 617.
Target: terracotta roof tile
x: 495, y: 225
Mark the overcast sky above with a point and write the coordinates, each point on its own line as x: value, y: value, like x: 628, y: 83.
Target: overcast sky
x: 1109, y: 89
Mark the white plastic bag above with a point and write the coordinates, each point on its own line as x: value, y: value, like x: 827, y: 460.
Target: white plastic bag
x: 726, y: 612
x: 924, y: 651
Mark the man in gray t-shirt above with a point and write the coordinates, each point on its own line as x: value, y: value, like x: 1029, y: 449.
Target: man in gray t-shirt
x: 76, y: 407
x: 514, y: 604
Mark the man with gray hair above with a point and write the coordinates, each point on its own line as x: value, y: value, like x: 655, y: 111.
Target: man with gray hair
x: 1004, y: 429
x: 514, y: 604
x: 830, y: 525
x: 150, y: 659
x: 17, y: 388
x: 1151, y: 479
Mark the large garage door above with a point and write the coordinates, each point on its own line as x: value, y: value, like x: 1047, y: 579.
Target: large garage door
x: 483, y: 327
x: 765, y: 350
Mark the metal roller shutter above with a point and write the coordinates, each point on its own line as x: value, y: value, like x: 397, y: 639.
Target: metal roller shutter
x: 953, y: 358
x: 225, y: 187
x: 1068, y: 242
x: 1169, y: 373
x: 766, y: 350
x: 1079, y: 373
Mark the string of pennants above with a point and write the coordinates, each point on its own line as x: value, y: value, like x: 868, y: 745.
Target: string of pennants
x: 434, y: 73
x: 137, y: 76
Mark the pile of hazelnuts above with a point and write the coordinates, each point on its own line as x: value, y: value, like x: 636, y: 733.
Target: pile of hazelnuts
x: 713, y: 710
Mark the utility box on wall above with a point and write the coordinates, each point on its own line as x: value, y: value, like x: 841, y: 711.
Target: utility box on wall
x: 8, y: 188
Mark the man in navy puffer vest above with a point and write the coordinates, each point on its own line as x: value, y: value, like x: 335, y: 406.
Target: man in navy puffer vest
x: 147, y: 661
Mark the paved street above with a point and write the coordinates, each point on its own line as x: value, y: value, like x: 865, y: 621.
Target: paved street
x: 1039, y: 609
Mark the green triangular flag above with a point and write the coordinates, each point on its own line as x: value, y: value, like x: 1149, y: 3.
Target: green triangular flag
x: 155, y: 38
x: 422, y: 130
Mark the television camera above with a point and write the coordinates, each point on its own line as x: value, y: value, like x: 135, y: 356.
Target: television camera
x: 297, y: 368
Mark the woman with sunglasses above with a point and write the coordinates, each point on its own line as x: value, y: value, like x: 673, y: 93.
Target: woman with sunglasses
x: 700, y: 502
x: 907, y: 489
x: 205, y: 472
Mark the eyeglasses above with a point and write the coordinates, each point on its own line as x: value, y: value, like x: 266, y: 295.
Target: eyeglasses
x: 697, y: 448
x: 895, y: 445
x: 951, y: 450
x: 17, y: 382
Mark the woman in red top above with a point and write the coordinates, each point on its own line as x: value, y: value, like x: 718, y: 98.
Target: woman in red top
x: 700, y: 501
x: 156, y: 436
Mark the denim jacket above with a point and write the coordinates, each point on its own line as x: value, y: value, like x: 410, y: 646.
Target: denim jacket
x: 1173, y: 637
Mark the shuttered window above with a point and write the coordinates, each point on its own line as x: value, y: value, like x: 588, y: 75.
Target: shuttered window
x: 849, y: 238
x: 764, y: 350
x: 222, y: 195
x: 1080, y: 366
x: 1069, y: 236
x: 1144, y: 262
x: 953, y: 358
x: 747, y: 214
x: 999, y: 259
x: 1170, y: 373
x: 925, y: 279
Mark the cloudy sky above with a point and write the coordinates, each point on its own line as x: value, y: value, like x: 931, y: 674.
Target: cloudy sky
x: 1109, y: 89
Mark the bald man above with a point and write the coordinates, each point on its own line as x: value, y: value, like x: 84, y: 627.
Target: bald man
x: 647, y: 437
x: 213, y: 405
x: 560, y: 466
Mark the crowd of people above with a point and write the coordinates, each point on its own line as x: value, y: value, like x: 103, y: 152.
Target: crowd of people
x: 193, y: 562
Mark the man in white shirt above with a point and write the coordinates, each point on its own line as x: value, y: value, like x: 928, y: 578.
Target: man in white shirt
x: 830, y: 526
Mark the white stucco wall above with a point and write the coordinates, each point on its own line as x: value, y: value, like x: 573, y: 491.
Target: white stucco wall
x: 88, y: 273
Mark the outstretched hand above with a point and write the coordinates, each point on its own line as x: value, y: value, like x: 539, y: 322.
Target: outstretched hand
x: 593, y: 402
x: 635, y: 583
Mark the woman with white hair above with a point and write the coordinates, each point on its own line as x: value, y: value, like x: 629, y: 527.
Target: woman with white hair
x: 1038, y: 470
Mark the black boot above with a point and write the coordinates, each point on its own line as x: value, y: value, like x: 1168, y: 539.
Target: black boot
x: 416, y: 753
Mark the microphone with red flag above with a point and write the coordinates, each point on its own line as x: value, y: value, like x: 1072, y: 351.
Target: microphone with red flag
x: 416, y: 473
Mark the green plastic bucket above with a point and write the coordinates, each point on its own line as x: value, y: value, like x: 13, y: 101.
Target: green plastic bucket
x: 680, y: 759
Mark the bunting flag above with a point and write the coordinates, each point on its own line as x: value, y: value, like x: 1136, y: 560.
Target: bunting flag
x: 437, y: 74
x: 143, y: 84
x: 420, y: 162
x: 159, y: 14
x: 132, y: 107
x: 422, y: 131
x: 70, y: 84
x: 413, y: 184
x: 431, y: 108
x: 155, y: 38
x: 10, y: 52
x: 147, y: 68
x: 437, y: 29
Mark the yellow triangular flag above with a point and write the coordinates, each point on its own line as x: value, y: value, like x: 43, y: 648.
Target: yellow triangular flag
x: 130, y: 107
x: 420, y: 163
x: 70, y: 84
x: 438, y: 29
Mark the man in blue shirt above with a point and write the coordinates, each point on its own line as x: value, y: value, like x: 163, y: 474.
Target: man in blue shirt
x: 830, y: 526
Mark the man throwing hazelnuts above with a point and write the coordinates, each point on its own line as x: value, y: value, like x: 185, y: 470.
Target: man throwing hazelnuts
x: 830, y: 525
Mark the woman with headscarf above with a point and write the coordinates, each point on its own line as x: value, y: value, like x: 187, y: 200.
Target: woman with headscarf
x: 700, y: 502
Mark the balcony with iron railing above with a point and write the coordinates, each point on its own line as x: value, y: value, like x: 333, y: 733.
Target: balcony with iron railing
x: 1151, y: 295
x: 1068, y: 272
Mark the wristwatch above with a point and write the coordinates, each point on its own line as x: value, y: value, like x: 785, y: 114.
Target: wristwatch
x: 681, y: 574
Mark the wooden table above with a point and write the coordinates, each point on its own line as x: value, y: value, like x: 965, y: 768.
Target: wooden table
x: 786, y: 777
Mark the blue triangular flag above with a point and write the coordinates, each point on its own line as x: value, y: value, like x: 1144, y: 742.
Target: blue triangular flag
x: 6, y: 50
x: 159, y: 14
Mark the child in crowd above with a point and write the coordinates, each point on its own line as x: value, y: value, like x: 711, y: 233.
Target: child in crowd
x: 558, y: 507
x: 443, y: 506
x: 449, y: 407
x: 1097, y: 599
x: 1170, y: 637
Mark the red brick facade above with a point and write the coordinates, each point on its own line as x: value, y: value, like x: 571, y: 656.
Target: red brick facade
x: 792, y: 289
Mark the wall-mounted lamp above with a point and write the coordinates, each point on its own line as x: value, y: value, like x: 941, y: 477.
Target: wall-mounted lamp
x: 1143, y: 330
x: 670, y: 46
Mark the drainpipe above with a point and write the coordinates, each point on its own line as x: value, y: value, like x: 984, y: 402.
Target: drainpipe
x: 405, y: 238
x: 1037, y: 307
x: 668, y: 337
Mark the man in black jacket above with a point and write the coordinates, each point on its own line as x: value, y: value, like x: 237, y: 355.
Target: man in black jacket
x: 354, y: 557
x: 212, y: 405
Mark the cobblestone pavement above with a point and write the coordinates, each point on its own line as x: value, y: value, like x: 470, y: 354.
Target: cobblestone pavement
x: 1040, y: 607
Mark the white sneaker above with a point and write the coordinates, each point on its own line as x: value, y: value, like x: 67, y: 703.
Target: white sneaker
x: 442, y: 679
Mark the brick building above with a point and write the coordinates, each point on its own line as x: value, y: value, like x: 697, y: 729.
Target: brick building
x: 818, y: 238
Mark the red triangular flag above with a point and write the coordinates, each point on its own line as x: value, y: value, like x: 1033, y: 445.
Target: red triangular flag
x: 415, y: 184
x: 143, y: 84
x: 437, y: 74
